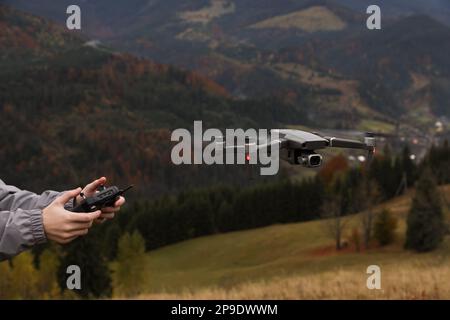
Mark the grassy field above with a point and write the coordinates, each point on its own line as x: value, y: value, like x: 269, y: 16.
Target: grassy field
x: 296, y: 261
x: 313, y: 19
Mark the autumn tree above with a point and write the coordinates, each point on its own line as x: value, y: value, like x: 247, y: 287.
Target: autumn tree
x: 332, y: 167
x: 129, y: 270
x: 5, y: 280
x: 23, y: 278
x: 47, y: 283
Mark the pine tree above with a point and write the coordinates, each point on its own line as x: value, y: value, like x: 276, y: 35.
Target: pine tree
x: 408, y: 166
x: 385, y: 225
x: 425, y: 222
x: 86, y: 253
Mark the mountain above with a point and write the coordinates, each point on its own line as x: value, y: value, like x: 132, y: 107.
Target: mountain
x: 407, y: 64
x: 72, y: 110
x: 289, y: 50
x: 436, y: 9
x: 194, y: 34
x: 26, y: 37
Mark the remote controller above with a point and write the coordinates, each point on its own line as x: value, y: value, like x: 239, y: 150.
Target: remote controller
x: 105, y: 197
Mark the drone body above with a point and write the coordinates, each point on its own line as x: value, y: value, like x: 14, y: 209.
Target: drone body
x: 300, y: 147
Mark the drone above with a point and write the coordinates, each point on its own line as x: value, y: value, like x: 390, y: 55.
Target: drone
x: 299, y: 147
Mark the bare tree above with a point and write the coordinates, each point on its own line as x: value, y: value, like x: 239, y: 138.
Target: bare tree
x: 333, y: 220
x: 366, y: 198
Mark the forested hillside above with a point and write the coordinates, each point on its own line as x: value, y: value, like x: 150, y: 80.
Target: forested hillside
x: 315, y: 54
x: 72, y: 110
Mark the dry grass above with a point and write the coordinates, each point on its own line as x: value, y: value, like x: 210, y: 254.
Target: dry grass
x: 216, y: 9
x: 313, y: 19
x: 418, y: 282
x: 296, y: 261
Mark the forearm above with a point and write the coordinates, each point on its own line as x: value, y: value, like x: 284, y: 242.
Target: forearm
x: 20, y: 230
x: 27, y: 200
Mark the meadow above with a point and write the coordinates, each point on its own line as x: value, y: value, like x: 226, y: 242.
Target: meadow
x: 297, y: 261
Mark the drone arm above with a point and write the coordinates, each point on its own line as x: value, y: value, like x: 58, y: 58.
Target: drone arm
x: 347, y: 143
x: 368, y: 145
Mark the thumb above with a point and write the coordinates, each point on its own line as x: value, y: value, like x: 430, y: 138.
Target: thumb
x: 93, y: 186
x: 67, y: 196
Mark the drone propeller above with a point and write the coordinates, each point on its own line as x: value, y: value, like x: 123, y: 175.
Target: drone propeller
x: 358, y: 133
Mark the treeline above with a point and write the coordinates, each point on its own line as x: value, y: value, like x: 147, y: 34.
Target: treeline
x: 146, y: 225
x: 222, y: 209
x: 23, y: 278
x: 200, y: 212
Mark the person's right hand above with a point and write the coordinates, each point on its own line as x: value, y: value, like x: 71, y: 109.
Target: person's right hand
x: 63, y: 226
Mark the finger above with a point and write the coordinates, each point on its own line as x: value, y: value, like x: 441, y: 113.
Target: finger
x: 74, y: 226
x: 110, y: 209
x: 84, y: 216
x: 120, y: 202
x: 67, y: 240
x: 78, y: 233
x: 67, y: 196
x: 64, y: 240
x: 93, y: 186
x: 100, y: 220
x: 107, y: 215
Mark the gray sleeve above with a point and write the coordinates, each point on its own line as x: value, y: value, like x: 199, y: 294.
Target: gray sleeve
x: 13, y: 199
x: 21, y: 225
x: 20, y: 230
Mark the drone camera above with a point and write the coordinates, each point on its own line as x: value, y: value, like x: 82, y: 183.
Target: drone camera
x: 314, y: 160
x: 311, y: 160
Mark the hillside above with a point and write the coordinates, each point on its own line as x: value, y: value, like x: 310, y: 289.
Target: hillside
x: 69, y: 108
x: 437, y: 9
x: 25, y: 34
x: 294, y: 261
x: 64, y: 98
x: 395, y: 74
x: 402, y: 72
x: 312, y: 19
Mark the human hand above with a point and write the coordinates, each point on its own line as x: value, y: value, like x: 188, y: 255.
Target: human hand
x: 63, y: 226
x: 107, y: 212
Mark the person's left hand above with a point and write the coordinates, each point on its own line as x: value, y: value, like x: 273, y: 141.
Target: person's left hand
x: 107, y: 212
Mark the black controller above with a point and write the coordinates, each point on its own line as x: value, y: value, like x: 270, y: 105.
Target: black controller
x: 105, y: 197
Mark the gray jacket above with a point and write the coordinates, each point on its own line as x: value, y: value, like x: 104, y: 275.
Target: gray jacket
x: 21, y: 219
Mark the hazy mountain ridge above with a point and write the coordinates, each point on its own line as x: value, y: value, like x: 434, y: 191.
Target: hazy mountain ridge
x: 68, y: 111
x: 216, y: 38
x: 408, y: 61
